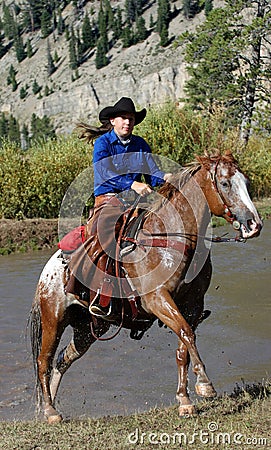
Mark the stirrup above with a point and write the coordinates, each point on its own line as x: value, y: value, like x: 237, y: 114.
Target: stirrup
x: 98, y: 311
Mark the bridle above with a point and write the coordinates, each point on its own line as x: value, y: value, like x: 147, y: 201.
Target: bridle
x: 228, y: 215
x: 163, y: 239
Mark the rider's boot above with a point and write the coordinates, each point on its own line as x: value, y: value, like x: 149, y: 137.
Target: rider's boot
x: 103, y: 312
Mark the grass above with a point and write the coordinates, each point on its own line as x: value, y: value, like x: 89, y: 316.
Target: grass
x: 237, y: 421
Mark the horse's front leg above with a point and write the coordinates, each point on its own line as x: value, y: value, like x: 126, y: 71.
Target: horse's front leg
x: 186, y: 408
x: 163, y: 306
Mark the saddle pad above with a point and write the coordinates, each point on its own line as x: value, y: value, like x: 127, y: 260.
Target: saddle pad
x: 71, y: 241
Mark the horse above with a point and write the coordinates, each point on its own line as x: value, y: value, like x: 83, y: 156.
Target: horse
x: 170, y: 268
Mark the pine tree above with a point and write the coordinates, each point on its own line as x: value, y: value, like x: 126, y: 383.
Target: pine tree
x: 3, y: 126
x: 67, y: 34
x: 227, y: 64
x: 36, y: 88
x: 14, y: 130
x: 2, y: 47
x: 127, y: 37
x: 29, y: 50
x: 141, y: 30
x: 163, y: 16
x: 187, y: 9
x: 56, y: 57
x: 41, y: 128
x: 103, y: 39
x: 8, y: 22
x: 60, y: 24
x: 133, y: 10
x: 73, y: 51
x: 117, y: 25
x: 102, y: 23
x: 47, y: 91
x: 11, y: 79
x: 46, y: 23
x: 51, y: 68
x: 109, y: 15
x: 23, y: 92
x: 33, y: 10
x: 19, y: 47
x: 101, y: 59
x: 208, y: 6
x: 87, y: 34
x: 164, y: 36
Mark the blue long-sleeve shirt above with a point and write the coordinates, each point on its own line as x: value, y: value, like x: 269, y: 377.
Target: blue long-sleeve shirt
x: 117, y: 165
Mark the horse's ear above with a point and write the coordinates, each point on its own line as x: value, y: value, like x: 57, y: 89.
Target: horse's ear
x: 228, y: 156
x: 204, y: 161
x: 228, y: 153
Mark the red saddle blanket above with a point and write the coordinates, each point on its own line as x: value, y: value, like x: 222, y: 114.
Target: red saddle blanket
x: 71, y: 241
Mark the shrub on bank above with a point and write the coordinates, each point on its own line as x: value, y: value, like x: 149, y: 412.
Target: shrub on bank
x: 256, y: 163
x: 179, y: 134
x: 34, y: 182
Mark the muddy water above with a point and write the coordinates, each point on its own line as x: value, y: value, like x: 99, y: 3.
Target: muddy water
x: 122, y: 376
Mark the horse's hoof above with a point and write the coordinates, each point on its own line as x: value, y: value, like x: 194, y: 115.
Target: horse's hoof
x: 54, y: 419
x: 52, y: 415
x: 205, y: 390
x: 187, y: 411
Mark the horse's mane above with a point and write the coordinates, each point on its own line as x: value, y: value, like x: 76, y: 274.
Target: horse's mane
x: 179, y: 179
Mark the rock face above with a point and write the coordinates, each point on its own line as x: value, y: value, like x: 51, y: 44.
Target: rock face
x: 83, y: 101
x: 146, y: 72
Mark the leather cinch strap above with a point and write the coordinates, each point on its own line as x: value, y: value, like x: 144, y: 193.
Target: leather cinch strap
x: 160, y: 242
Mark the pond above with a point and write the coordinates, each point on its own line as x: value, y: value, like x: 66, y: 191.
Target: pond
x: 122, y: 376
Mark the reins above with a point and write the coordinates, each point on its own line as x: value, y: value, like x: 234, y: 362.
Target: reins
x: 156, y: 240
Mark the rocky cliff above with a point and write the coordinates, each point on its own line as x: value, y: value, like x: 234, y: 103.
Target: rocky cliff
x: 146, y: 72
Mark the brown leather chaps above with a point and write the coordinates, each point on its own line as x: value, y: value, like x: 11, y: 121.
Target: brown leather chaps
x: 87, y: 265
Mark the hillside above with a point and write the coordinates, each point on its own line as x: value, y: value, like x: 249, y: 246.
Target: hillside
x: 147, y: 72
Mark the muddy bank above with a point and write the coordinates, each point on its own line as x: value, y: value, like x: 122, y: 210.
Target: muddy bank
x: 27, y: 235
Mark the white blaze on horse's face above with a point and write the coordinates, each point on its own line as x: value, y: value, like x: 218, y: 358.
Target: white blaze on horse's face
x: 233, y: 189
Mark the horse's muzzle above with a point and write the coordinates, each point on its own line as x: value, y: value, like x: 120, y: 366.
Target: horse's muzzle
x: 251, y: 229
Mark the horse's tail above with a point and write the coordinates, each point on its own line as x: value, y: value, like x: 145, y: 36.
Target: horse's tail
x: 35, y: 337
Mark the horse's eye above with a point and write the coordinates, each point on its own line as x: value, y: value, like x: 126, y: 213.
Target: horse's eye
x: 225, y: 184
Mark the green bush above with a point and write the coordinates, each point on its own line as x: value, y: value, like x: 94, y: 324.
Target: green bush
x: 256, y: 163
x: 33, y: 183
x: 181, y: 133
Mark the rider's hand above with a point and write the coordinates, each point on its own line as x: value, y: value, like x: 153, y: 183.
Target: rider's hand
x: 141, y: 188
x: 167, y: 176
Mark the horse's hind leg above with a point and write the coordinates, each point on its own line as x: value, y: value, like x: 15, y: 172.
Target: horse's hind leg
x: 82, y: 340
x: 50, y: 339
x: 80, y: 343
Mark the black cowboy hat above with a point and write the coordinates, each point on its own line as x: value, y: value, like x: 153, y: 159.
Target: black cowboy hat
x: 124, y: 105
